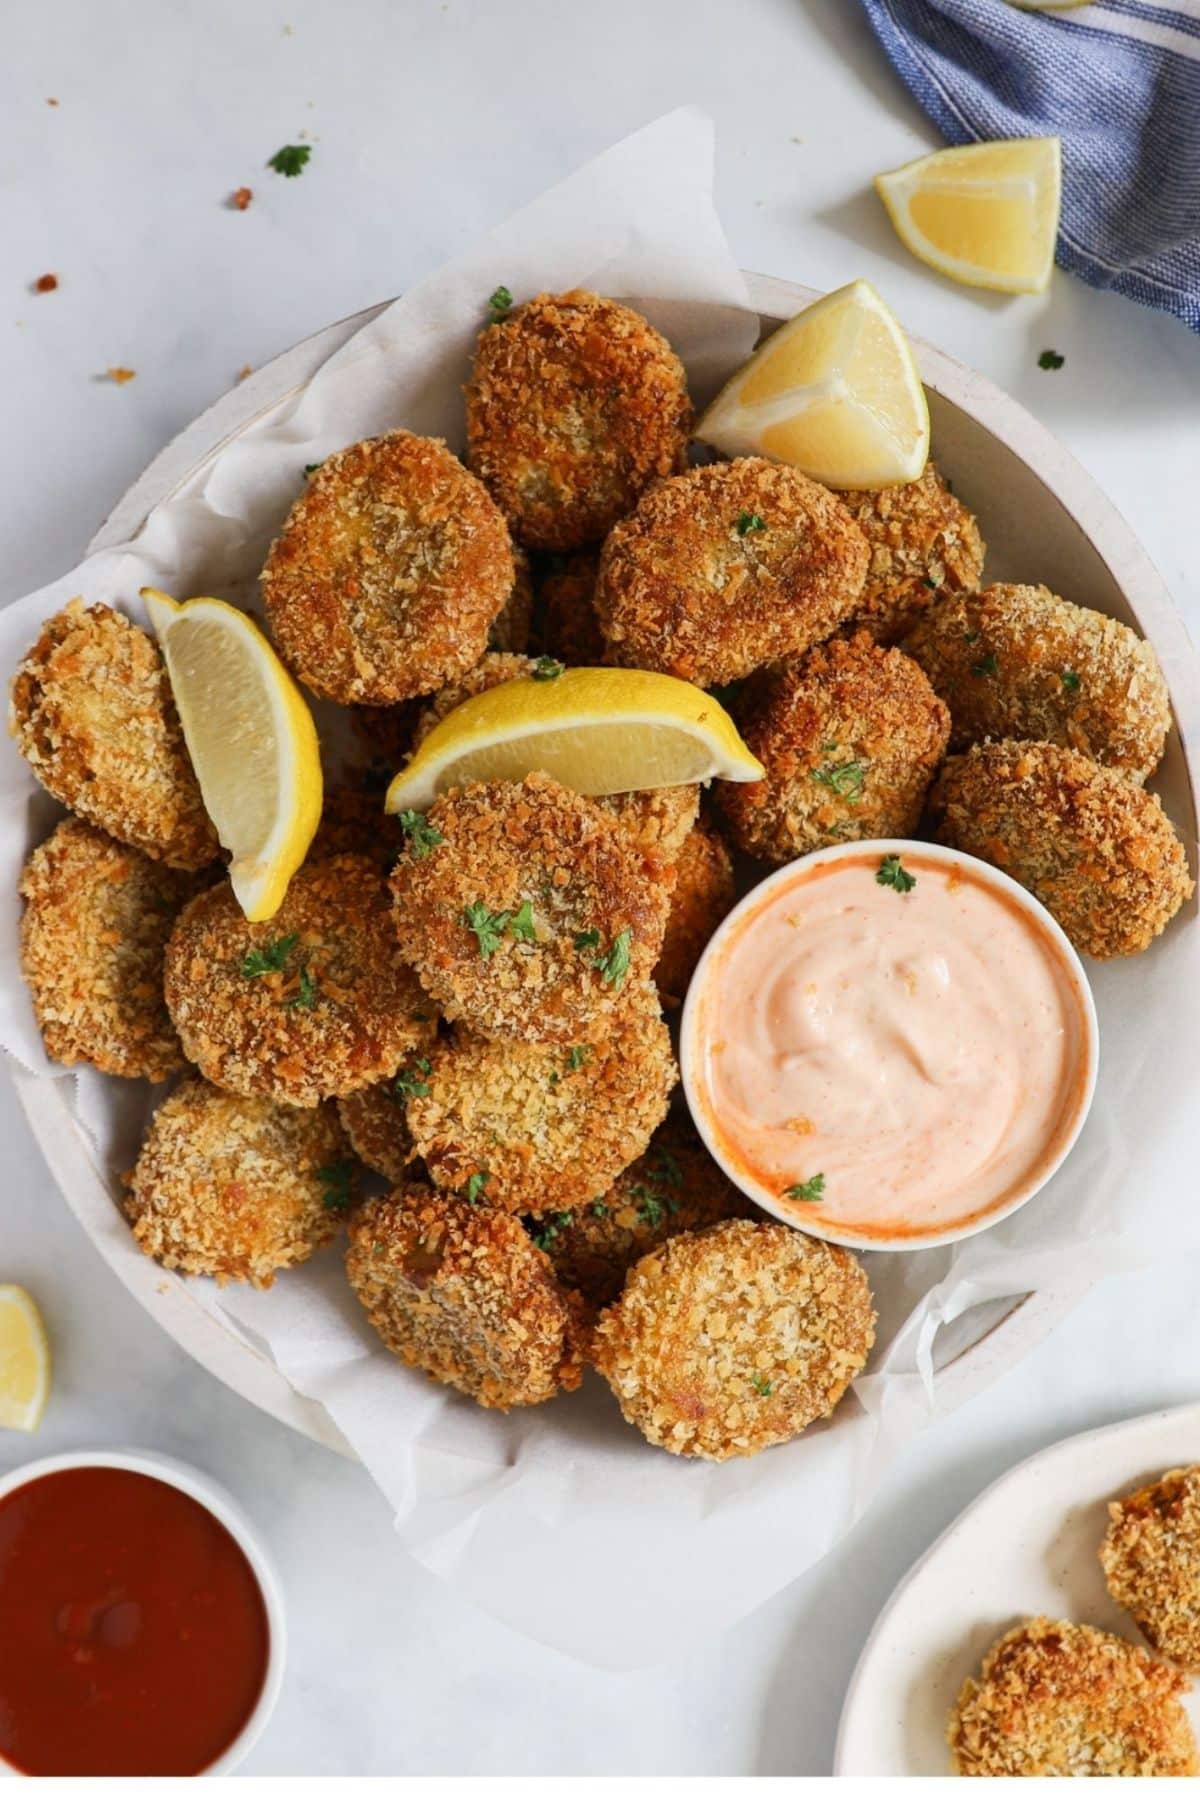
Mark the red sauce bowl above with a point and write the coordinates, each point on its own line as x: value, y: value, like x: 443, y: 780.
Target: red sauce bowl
x: 142, y: 1622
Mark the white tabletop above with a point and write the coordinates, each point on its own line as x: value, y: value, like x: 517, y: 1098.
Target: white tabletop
x: 429, y: 120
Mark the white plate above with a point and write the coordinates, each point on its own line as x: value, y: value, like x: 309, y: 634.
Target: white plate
x: 1028, y: 1545
x: 1026, y: 488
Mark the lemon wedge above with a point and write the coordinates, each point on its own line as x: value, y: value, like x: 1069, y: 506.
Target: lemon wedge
x: 24, y: 1361
x: 599, y: 731
x: 835, y: 392
x: 984, y: 214
x: 251, y: 739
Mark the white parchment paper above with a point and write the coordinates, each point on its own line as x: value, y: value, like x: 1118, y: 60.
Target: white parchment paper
x: 560, y: 1520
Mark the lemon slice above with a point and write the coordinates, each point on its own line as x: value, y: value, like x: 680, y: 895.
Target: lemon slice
x: 24, y: 1361
x: 984, y: 214
x: 599, y: 731
x: 251, y: 739
x: 835, y: 393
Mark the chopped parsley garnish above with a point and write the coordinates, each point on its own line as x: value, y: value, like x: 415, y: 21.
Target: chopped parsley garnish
x: 311, y: 469
x: 812, y: 1189
x: 587, y: 940
x: 488, y: 926
x: 843, y: 779
x: 422, y: 836
x: 666, y: 1167
x: 291, y: 160
x: 337, y: 1178
x: 544, y: 1230
x: 305, y: 996
x: 930, y: 584
x: 521, y: 925
x: 578, y: 1056
x: 650, y: 1209
x: 1050, y: 359
x: 615, y: 966
x: 987, y: 665
x: 410, y: 1083
x: 599, y: 1209
x: 499, y: 302
x: 272, y: 958
x: 1070, y: 680
x: 547, y: 668
x: 892, y: 873
x: 761, y: 1385
x: 475, y: 1185
x: 748, y: 522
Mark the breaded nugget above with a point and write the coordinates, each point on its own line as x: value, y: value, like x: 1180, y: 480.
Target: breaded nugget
x: 704, y: 892
x: 93, y: 716
x: 314, y: 1003
x: 511, y: 628
x: 923, y: 542
x: 460, y: 1292
x: 575, y: 404
x: 237, y: 1188
x: 388, y: 573
x: 1151, y: 1562
x: 97, y: 918
x: 657, y: 819
x: 526, y: 910
x: 727, y: 568
x: 353, y: 823
x: 1018, y: 662
x: 373, y: 1119
x: 491, y: 671
x: 570, y: 625
x: 1059, y: 1699
x: 1097, y: 850
x: 535, y: 1127
x: 850, y: 735
x: 676, y: 1186
x: 729, y: 1340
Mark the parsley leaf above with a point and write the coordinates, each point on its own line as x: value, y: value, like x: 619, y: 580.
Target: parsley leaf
x: 666, y: 1166
x: 422, y: 836
x: 547, y: 668
x: 843, y: 779
x: 761, y: 1385
x: 578, y: 1056
x: 521, y: 925
x: 544, y: 1230
x: 615, y: 966
x: 1070, y: 680
x: 987, y: 665
x: 310, y: 469
x: 599, y: 1209
x: 488, y: 926
x: 305, y: 997
x: 337, y: 1178
x: 892, y: 873
x: 651, y: 1210
x: 748, y: 522
x: 1050, y: 359
x: 587, y: 940
x: 291, y: 160
x: 812, y: 1189
x: 272, y: 958
x: 410, y: 1083
x: 499, y: 302
x: 475, y: 1185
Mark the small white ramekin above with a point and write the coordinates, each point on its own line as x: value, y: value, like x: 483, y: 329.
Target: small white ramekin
x: 691, y: 1057
x: 210, y: 1495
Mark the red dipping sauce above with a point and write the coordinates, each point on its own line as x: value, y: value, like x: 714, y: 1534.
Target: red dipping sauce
x: 133, y: 1631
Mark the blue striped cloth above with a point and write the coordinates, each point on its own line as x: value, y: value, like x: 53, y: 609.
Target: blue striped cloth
x: 1118, y: 81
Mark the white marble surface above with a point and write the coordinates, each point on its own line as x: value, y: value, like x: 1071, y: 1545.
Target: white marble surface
x: 430, y: 119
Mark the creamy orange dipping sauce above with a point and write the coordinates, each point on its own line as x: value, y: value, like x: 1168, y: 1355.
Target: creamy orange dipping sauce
x: 924, y: 1054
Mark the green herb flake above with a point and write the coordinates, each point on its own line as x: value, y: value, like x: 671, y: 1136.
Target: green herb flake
x: 1050, y: 359
x: 598, y: 1209
x: 488, y: 927
x: 812, y: 1189
x: 578, y: 1056
x: 650, y: 1209
x: 846, y: 779
x: 521, y: 925
x: 499, y: 302
x: 337, y: 1178
x: 421, y: 835
x: 291, y: 160
x: 473, y: 1192
x: 587, y: 940
x: 748, y: 522
x: 545, y: 1229
x: 272, y: 958
x: 305, y: 997
x: 987, y: 665
x: 761, y: 1385
x: 615, y: 966
x: 310, y: 469
x: 547, y: 668
x: 666, y: 1166
x: 411, y: 1083
x: 892, y: 873
x: 1071, y: 681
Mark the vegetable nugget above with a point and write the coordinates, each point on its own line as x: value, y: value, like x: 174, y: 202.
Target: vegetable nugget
x: 727, y: 568
x: 574, y: 406
x: 535, y: 1127
x: 1151, y: 1562
x: 923, y: 543
x: 525, y: 908
x: 460, y: 1292
x: 704, y: 892
x: 97, y: 918
x: 313, y: 1003
x: 373, y: 1120
x: 93, y: 716
x: 1018, y: 662
x: 389, y: 572
x: 1059, y: 1699
x: 237, y: 1188
x: 1097, y: 850
x: 850, y: 735
x: 729, y: 1340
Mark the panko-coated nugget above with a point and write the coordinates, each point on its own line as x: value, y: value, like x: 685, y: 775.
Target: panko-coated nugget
x: 727, y: 568
x: 460, y: 1292
x: 570, y: 626
x: 1097, y: 849
x: 676, y: 1186
x: 533, y: 1127
x: 511, y: 628
x: 313, y: 1003
x: 851, y: 736
x: 373, y: 1119
x: 494, y: 670
x: 237, y: 1188
x: 530, y: 912
x: 93, y: 716
x: 353, y: 823
x: 657, y: 819
x: 1018, y: 662
x: 97, y: 918
x: 388, y: 573
x: 729, y: 1340
x: 704, y: 892
x: 1054, y: 1698
x: 574, y: 406
x: 923, y: 542
x: 1151, y: 1562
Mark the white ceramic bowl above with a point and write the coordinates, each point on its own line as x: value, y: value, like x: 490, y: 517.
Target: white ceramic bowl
x: 692, y: 1029
x: 210, y: 1495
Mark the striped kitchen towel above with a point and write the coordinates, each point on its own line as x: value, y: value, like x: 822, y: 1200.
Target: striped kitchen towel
x: 1118, y: 81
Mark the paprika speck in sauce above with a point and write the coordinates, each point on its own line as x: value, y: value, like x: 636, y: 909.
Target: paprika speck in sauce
x: 134, y: 1637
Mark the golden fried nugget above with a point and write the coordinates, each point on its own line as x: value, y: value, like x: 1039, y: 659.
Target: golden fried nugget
x: 93, y: 716
x: 923, y: 543
x: 97, y: 918
x: 1097, y: 850
x: 1151, y: 1561
x: 704, y: 892
x: 1059, y: 1699
x: 460, y: 1292
x: 729, y: 1340
x: 353, y: 823
x: 389, y: 572
x: 527, y: 911
x: 657, y: 819
x: 534, y: 1127
x: 237, y: 1188
x: 570, y: 626
x: 511, y: 628
x: 1018, y: 662
x: 851, y: 736
x: 494, y: 670
x: 311, y: 1004
x: 727, y: 568
x: 373, y: 1119
x: 574, y: 406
